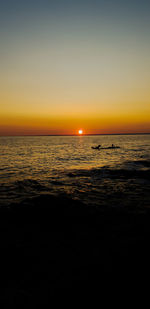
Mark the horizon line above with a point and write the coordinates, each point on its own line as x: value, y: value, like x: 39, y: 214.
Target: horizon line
x: 90, y: 134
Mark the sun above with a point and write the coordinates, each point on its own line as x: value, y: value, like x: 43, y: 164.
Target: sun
x: 80, y: 132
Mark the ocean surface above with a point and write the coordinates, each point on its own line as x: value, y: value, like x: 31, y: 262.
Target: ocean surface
x: 68, y: 166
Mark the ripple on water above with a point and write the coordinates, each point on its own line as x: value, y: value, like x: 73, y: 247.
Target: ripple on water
x: 34, y: 165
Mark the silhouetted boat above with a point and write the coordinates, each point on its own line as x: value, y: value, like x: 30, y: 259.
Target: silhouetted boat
x: 101, y: 148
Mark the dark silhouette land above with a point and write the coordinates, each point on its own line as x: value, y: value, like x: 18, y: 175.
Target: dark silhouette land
x: 55, y: 242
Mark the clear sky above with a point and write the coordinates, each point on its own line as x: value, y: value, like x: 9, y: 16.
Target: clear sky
x: 69, y: 65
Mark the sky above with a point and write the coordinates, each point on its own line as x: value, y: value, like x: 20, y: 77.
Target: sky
x: 68, y: 65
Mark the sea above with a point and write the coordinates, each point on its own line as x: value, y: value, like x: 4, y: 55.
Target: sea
x: 32, y: 166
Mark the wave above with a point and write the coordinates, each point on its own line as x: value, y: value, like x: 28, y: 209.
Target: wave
x: 136, y: 150
x: 120, y: 172
x: 89, y: 185
x: 145, y: 163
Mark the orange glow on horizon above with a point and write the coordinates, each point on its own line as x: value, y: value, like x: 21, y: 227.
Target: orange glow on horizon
x: 65, y: 125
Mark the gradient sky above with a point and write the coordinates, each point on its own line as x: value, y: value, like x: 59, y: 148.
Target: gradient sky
x: 67, y: 65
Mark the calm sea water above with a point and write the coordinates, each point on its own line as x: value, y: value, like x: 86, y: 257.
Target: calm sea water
x: 31, y: 166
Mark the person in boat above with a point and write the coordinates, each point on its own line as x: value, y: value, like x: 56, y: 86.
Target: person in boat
x: 97, y: 147
x: 112, y: 146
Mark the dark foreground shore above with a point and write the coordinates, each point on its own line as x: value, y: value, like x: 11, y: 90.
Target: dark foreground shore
x: 50, y: 242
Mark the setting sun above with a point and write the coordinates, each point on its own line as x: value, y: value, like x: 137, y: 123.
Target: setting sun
x: 80, y: 132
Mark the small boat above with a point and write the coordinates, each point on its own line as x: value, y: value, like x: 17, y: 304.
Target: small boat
x: 110, y: 147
